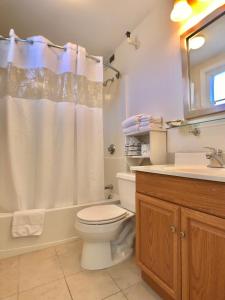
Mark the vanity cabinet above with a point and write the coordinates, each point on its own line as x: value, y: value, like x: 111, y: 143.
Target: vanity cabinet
x: 157, y: 243
x: 203, y: 256
x: 180, y: 244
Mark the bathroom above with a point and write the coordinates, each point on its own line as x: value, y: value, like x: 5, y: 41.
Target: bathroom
x: 81, y: 217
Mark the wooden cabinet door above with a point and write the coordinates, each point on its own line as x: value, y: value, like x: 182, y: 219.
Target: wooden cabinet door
x: 158, y: 243
x: 203, y: 256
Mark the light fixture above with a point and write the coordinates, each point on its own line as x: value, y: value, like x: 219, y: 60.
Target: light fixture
x: 181, y: 11
x: 196, y: 42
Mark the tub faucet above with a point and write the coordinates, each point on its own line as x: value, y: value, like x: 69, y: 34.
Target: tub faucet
x: 109, y: 187
x: 215, y: 157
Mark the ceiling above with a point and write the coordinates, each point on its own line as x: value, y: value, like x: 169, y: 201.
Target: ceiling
x: 98, y: 25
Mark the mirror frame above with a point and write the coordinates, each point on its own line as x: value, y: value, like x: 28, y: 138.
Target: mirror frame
x: 189, y: 114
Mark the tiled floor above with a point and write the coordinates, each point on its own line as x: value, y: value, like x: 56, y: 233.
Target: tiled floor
x: 55, y: 274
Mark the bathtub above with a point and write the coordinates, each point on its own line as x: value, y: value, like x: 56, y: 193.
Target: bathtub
x: 58, y: 228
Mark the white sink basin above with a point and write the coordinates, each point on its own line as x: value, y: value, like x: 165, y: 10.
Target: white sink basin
x: 190, y: 165
x: 194, y: 169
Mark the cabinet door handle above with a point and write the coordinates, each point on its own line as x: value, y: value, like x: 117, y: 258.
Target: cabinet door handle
x: 182, y: 234
x: 172, y: 228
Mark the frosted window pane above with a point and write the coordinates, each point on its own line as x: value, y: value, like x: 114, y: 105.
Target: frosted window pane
x: 219, y: 87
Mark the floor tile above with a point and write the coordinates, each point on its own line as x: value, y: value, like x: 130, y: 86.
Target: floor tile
x: 14, y: 297
x: 75, y: 246
x: 37, y: 256
x: 56, y: 290
x: 38, y: 272
x: 95, y: 285
x: 125, y: 274
x: 118, y: 296
x: 70, y: 258
x: 9, y: 269
x: 141, y: 291
x: 40, y: 276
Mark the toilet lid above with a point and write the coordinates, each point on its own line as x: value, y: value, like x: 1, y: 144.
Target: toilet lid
x: 101, y: 214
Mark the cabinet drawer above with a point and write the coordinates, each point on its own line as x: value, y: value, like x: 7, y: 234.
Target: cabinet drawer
x: 202, y: 195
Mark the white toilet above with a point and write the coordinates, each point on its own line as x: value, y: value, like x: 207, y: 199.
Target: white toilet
x: 108, y: 231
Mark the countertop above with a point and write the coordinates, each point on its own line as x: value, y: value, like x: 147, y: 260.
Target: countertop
x: 188, y: 171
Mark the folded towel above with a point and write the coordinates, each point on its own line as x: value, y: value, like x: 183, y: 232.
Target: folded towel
x: 131, y: 121
x: 147, y: 123
x: 148, y: 118
x: 133, y: 153
x: 140, y: 118
x: 149, y: 127
x: 134, y: 128
x: 28, y: 222
x: 137, y: 128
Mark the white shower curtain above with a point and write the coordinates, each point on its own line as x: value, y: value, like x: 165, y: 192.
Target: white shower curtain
x: 51, y: 140
x: 90, y: 174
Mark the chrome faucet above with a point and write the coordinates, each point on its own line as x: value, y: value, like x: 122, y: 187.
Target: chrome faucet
x: 215, y: 157
x: 110, y: 188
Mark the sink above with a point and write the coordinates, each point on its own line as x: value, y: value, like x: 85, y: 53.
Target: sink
x: 194, y: 169
x: 187, y: 165
x: 184, y: 168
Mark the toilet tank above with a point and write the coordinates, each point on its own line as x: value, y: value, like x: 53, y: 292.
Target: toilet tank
x: 126, y: 186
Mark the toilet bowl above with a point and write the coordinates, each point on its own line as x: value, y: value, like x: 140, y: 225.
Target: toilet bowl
x: 108, y: 231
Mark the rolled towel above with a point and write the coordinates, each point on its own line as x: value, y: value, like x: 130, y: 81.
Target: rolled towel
x: 28, y: 222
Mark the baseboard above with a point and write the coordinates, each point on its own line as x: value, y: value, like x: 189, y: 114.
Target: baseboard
x: 27, y: 249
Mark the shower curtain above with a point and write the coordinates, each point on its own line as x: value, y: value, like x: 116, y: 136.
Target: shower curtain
x: 51, y: 136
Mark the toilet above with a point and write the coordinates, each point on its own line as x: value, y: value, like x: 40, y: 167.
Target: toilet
x: 108, y: 230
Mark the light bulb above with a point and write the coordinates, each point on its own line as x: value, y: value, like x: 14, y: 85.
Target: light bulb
x: 196, y: 42
x: 181, y: 11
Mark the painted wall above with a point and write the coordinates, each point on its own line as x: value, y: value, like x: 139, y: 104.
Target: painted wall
x: 152, y: 83
x: 114, y: 112
x: 153, y: 72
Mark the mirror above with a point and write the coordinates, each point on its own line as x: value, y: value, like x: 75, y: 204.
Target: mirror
x: 203, y: 51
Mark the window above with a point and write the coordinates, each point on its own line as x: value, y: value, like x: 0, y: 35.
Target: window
x: 212, y: 85
x: 218, y: 88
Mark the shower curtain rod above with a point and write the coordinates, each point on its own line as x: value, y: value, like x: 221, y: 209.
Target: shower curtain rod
x: 63, y: 48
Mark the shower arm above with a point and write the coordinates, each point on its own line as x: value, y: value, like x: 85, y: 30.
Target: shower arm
x: 97, y: 60
x: 107, y: 65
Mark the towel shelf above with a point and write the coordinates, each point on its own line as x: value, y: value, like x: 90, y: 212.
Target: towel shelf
x: 157, y: 140
x: 139, y: 133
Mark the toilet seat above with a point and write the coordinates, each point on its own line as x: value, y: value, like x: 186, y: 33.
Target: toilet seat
x: 101, y: 214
